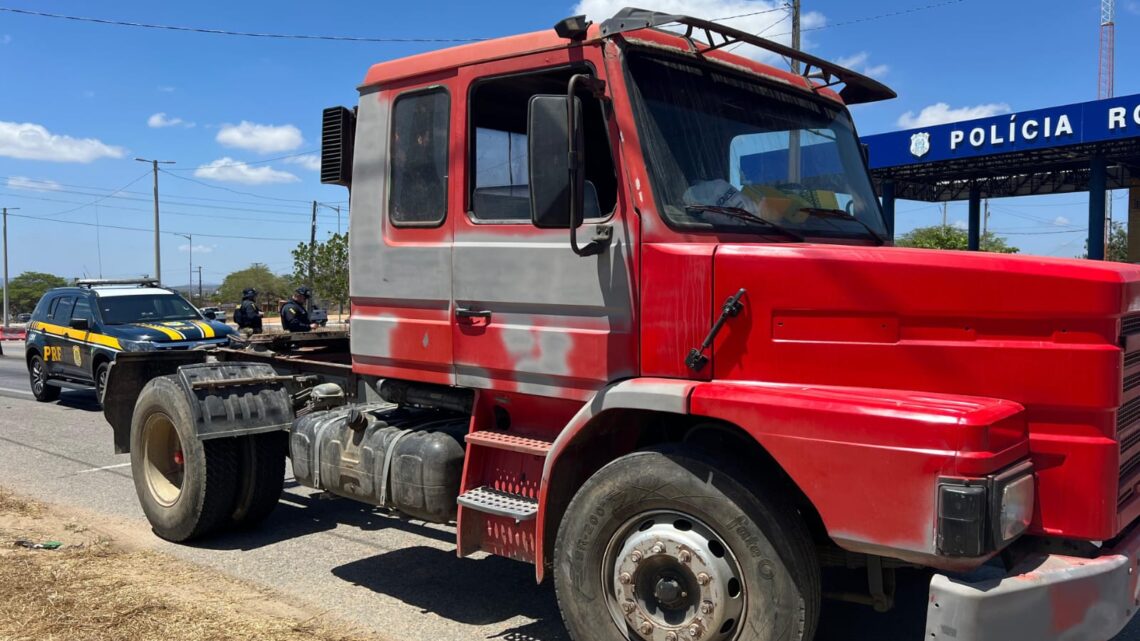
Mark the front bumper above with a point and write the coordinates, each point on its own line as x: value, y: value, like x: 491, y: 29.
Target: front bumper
x: 1045, y: 597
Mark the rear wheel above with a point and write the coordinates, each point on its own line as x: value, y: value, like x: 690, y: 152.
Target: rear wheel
x: 673, y: 545
x: 186, y: 486
x: 37, y: 373
x: 262, y: 477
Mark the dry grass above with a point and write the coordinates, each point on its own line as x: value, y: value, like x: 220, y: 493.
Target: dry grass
x: 94, y: 590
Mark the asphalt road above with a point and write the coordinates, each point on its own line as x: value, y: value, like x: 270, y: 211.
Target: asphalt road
x: 400, y: 579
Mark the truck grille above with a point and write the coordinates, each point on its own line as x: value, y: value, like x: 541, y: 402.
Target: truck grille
x: 1128, y: 416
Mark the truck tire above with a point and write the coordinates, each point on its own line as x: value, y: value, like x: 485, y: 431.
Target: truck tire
x: 667, y: 540
x: 261, y: 459
x: 37, y: 375
x: 186, y: 486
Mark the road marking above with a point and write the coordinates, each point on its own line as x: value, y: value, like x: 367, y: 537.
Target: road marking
x: 21, y: 392
x: 105, y: 467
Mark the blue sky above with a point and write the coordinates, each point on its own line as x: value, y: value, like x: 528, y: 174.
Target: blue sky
x: 79, y: 101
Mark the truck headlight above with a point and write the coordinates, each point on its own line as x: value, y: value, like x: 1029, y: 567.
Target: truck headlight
x: 1015, y: 509
x: 136, y: 346
x: 981, y: 515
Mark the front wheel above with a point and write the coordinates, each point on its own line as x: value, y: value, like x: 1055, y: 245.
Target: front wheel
x: 671, y: 545
x: 37, y: 373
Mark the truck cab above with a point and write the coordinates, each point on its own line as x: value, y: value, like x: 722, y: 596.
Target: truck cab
x: 624, y: 306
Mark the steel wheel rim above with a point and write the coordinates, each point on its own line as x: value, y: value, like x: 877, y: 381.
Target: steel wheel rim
x: 668, y: 576
x: 163, y: 465
x: 37, y: 375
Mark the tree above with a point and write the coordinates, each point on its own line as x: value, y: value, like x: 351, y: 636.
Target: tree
x: 329, y: 279
x: 1116, y: 249
x: 948, y: 237
x: 26, y: 289
x: 270, y: 287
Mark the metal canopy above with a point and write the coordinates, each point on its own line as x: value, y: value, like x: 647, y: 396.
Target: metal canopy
x: 1056, y: 170
x: 1044, y: 151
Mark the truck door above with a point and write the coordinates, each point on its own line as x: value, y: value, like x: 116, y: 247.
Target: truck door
x: 400, y: 266
x: 530, y: 315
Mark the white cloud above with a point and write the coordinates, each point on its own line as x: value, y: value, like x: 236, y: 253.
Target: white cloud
x: 1060, y: 221
x: 160, y: 119
x: 263, y: 139
x: 858, y: 62
x: 773, y: 23
x: 959, y: 224
x: 941, y: 113
x: 198, y: 249
x: 312, y: 162
x: 29, y: 141
x: 33, y: 184
x: 229, y: 170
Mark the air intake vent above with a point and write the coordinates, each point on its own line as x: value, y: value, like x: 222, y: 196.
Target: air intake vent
x: 338, y: 128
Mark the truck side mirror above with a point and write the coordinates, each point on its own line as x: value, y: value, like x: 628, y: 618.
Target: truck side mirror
x: 81, y: 324
x: 549, y: 162
x: 210, y: 315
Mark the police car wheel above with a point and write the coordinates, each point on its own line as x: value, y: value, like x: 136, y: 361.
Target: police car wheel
x: 186, y: 486
x: 37, y: 372
x: 101, y: 380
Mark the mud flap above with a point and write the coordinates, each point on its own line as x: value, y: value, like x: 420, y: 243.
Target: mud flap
x: 129, y: 373
x: 235, y: 399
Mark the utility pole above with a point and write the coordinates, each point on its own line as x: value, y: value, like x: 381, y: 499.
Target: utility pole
x: 312, y: 251
x: 944, y: 212
x: 986, y: 221
x: 157, y: 251
x: 190, y: 283
x: 6, y: 263
x: 794, y: 134
x: 199, y: 282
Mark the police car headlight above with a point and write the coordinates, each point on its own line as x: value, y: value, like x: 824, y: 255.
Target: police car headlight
x: 137, y: 346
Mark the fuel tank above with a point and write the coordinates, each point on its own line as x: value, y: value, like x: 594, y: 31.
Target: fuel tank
x: 410, y: 460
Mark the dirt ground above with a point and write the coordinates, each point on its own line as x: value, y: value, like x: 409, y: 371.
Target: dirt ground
x: 101, y: 585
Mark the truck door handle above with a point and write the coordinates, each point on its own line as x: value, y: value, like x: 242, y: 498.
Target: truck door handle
x: 470, y: 315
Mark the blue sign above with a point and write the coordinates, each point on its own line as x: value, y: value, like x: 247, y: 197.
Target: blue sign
x: 1087, y: 122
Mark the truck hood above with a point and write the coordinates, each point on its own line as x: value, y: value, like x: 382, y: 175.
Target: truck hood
x: 958, y: 322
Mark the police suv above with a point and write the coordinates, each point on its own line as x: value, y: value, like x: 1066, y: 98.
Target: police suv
x: 76, y: 332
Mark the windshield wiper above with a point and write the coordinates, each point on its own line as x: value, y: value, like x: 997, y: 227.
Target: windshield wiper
x: 839, y: 213
x: 740, y: 213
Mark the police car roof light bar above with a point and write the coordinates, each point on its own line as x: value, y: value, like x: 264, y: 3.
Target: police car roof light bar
x: 99, y: 282
x: 857, y: 88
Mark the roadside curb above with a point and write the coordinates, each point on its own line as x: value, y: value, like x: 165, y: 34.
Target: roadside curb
x: 8, y: 392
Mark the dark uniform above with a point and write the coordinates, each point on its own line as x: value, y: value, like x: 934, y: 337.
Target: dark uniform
x: 294, y: 317
x: 248, y: 316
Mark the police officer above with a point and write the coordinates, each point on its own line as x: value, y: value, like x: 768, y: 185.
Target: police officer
x: 294, y: 318
x: 248, y: 316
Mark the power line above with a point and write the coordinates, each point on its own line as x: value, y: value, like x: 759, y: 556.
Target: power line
x: 224, y: 32
x: 77, y: 222
x: 252, y: 162
x: 234, y: 191
x: 325, y: 218
x: 173, y: 200
x: 97, y: 200
x: 876, y: 17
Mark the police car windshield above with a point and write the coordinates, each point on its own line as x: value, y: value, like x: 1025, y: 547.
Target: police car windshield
x: 145, y: 308
x: 715, y: 139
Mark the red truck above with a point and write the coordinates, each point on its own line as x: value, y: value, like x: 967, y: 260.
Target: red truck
x: 623, y: 307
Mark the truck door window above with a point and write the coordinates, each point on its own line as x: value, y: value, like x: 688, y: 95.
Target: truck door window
x: 499, y: 189
x: 418, y: 194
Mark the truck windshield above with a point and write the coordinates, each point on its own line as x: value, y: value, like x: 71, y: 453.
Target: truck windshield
x: 723, y: 147
x: 145, y: 308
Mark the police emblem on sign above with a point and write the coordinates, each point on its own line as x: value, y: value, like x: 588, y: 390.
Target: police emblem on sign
x: 919, y: 144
